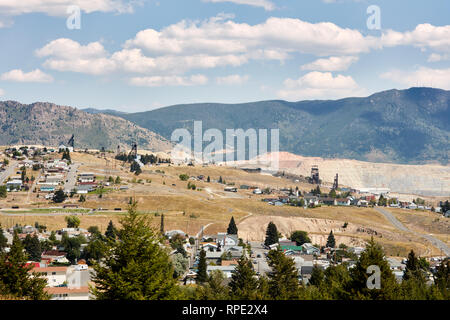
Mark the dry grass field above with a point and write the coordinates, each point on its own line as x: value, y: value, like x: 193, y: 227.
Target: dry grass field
x: 159, y: 190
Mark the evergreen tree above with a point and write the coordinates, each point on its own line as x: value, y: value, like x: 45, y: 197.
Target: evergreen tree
x: 317, y: 277
x: 357, y: 287
x: 82, y: 198
x: 136, y: 266
x: 331, y: 242
x: 442, y: 278
x: 412, y: 269
x: 161, y: 229
x: 3, y: 192
x: 111, y: 231
x: 271, y: 234
x: 33, y: 248
x: 213, y: 288
x: 244, y: 285
x: 15, y: 278
x: 283, y: 278
x: 232, y: 228
x: 202, y: 267
x: 72, y: 221
x: 59, y: 196
x: 332, y: 194
x: 208, y: 179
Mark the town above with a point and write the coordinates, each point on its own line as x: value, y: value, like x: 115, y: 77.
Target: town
x: 48, y: 193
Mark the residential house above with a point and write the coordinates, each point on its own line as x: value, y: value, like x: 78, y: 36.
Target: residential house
x: 227, y: 239
x: 308, y: 248
x: 227, y: 270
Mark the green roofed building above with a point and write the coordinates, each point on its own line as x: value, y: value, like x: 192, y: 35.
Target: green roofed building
x: 291, y: 248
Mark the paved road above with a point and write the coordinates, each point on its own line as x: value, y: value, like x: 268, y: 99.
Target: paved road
x: 436, y: 242
x: 8, y: 171
x: 71, y: 177
x: 261, y: 262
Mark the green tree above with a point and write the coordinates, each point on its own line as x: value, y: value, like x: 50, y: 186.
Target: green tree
x: 72, y: 221
x: 232, y: 228
x: 180, y: 264
x: 332, y: 193
x: 317, y: 277
x: 283, y: 277
x: 244, y: 284
x: 136, y: 266
x: 442, y: 278
x: 271, y: 234
x: 183, y: 177
x: 300, y: 237
x: 82, y: 198
x: 111, y: 231
x: 357, y: 287
x: 213, y: 288
x: 331, y: 242
x: 136, y: 168
x: 72, y: 246
x: 33, y: 248
x: 15, y: 278
x: 202, y: 275
x: 3, y: 192
x: 59, y: 196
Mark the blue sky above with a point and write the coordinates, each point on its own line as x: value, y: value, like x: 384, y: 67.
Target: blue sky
x: 141, y: 55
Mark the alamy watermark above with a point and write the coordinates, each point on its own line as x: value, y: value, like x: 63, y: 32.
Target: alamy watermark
x: 74, y: 19
x: 374, y: 20
x: 250, y: 146
x: 374, y: 280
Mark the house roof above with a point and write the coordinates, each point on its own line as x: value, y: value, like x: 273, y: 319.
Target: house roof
x: 50, y: 269
x: 62, y: 290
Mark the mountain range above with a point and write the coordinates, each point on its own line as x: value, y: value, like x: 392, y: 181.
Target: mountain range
x: 395, y: 126
x: 50, y: 125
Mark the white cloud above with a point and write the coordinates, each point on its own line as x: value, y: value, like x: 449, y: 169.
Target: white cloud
x: 267, y: 5
x: 330, y: 64
x: 422, y: 77
x: 320, y: 85
x: 18, y: 75
x: 283, y: 35
x: 234, y: 79
x: 159, y: 81
x: 435, y: 57
x: 59, y: 7
x: 423, y: 36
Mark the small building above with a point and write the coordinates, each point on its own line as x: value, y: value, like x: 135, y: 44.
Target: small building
x: 67, y: 293
x: 15, y: 184
x: 308, y: 248
x: 227, y: 239
x: 227, y: 270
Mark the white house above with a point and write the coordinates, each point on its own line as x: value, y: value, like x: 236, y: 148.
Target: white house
x: 227, y: 239
x: 55, y: 276
x: 227, y: 270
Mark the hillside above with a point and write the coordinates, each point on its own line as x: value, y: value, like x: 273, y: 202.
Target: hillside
x: 50, y: 124
x: 401, y: 126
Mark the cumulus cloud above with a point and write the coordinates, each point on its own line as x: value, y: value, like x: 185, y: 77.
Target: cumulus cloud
x: 234, y: 79
x: 330, y: 64
x: 159, y: 81
x: 439, y: 78
x: 267, y: 5
x: 423, y: 36
x: 320, y: 85
x: 18, y: 75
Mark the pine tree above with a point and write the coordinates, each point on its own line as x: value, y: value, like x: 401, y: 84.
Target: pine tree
x: 357, y: 287
x: 271, y: 234
x: 33, y: 248
x: 15, y: 278
x: 244, y: 285
x: 111, y: 231
x: 442, y: 278
x: 202, y: 267
x: 208, y: 180
x: 331, y: 242
x: 412, y: 269
x: 232, y: 228
x: 283, y: 279
x: 317, y: 277
x: 59, y: 196
x: 136, y: 266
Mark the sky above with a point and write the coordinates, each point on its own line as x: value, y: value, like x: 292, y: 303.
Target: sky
x: 145, y: 54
